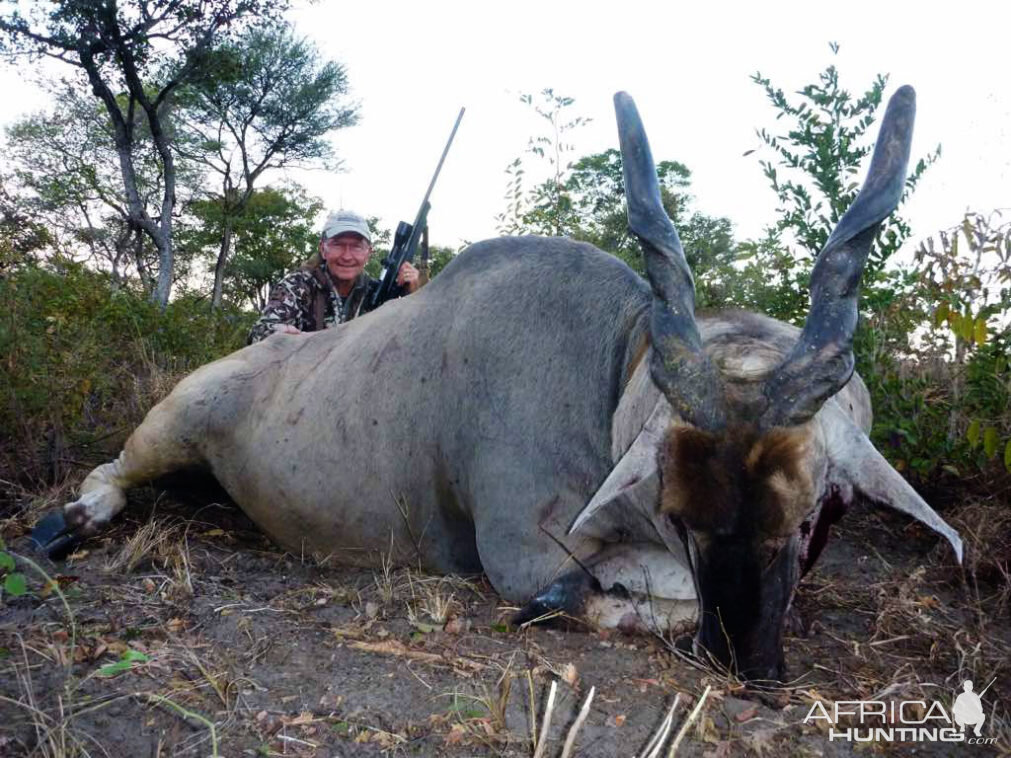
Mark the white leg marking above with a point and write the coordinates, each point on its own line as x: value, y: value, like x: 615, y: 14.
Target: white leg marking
x: 102, y: 497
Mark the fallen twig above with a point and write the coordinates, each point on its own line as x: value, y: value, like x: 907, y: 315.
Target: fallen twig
x: 655, y: 745
x: 688, y: 722
x: 570, y: 740
x: 542, y: 741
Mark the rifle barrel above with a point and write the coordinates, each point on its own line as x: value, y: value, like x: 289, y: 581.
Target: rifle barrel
x: 442, y: 158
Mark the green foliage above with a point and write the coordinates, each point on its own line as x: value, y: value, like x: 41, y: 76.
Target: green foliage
x: 585, y: 200
x: 14, y: 583
x: 827, y: 136
x: 935, y: 351
x: 133, y: 55
x: 127, y: 661
x: 546, y: 208
x: 932, y: 343
x: 263, y: 101
x: 83, y: 363
x: 272, y: 234
x: 762, y: 277
x: 67, y: 171
x: 21, y: 235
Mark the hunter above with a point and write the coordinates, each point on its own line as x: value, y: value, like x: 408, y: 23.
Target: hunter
x: 332, y: 287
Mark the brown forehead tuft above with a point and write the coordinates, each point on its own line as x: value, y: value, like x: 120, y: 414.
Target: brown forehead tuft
x: 780, y: 450
x: 739, y: 479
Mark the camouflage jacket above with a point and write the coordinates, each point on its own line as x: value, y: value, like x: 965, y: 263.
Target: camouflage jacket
x: 308, y: 300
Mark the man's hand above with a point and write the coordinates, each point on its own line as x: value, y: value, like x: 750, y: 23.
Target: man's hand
x: 286, y: 329
x: 408, y: 277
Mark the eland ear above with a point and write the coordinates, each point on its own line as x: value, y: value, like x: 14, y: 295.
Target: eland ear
x: 858, y: 464
x: 637, y: 467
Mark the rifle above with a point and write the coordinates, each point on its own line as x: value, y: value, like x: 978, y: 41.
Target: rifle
x: 408, y: 236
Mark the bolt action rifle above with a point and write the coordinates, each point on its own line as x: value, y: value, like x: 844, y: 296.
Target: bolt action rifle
x: 408, y: 236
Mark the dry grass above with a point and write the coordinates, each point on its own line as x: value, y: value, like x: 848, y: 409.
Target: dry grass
x: 916, y: 631
x: 154, y: 540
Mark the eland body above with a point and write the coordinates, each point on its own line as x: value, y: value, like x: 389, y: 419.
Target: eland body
x: 541, y: 413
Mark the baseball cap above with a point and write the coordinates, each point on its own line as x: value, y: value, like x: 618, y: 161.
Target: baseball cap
x: 346, y: 221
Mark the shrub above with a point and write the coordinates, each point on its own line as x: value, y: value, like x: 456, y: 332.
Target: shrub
x: 84, y: 361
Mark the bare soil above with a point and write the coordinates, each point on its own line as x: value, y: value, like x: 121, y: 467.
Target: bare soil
x: 192, y: 635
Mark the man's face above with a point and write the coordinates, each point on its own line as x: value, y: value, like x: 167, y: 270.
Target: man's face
x: 345, y: 255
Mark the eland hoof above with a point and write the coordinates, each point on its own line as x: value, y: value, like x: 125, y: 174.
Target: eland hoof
x: 564, y: 597
x: 54, y: 537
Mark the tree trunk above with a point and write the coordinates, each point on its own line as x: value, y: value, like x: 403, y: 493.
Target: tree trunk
x: 219, y: 266
x: 163, y: 241
x: 138, y: 257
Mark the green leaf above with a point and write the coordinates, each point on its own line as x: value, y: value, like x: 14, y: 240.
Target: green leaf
x: 125, y: 663
x: 973, y: 432
x: 14, y: 584
x: 980, y: 331
x: 968, y: 328
x: 6, y: 561
x: 955, y: 322
x: 941, y: 314
x: 990, y: 441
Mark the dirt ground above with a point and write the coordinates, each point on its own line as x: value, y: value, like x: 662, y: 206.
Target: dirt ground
x: 183, y: 632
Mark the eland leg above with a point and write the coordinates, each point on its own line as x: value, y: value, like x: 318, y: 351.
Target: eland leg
x: 157, y: 447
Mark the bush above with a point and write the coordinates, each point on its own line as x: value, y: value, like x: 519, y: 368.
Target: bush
x: 935, y: 351
x: 83, y: 362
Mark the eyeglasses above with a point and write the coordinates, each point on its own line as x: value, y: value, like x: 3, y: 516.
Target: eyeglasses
x: 356, y: 247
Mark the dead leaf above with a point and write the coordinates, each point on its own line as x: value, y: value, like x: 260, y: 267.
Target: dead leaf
x: 457, y: 625
x: 570, y: 675
x: 456, y: 734
x: 645, y: 683
x: 746, y: 715
x: 620, y: 719
x: 301, y: 719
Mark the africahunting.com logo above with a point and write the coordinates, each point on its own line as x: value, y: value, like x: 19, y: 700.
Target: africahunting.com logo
x: 905, y: 720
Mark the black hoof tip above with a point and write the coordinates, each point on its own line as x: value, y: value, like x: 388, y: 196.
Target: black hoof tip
x: 531, y: 613
x: 54, y: 537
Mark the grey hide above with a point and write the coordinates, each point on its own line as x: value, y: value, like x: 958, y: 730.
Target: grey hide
x: 467, y: 424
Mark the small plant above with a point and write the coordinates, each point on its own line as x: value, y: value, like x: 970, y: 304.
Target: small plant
x: 125, y: 663
x: 14, y: 583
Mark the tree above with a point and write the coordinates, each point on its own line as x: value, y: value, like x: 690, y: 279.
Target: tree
x: 546, y: 208
x: 585, y: 200
x: 823, y: 146
x: 134, y: 55
x: 596, y: 189
x: 66, y: 161
x: 20, y: 234
x: 265, y: 101
x: 273, y: 233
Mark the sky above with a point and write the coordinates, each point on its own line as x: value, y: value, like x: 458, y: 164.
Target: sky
x: 411, y: 66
